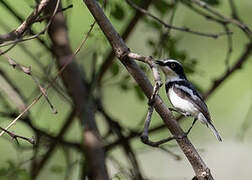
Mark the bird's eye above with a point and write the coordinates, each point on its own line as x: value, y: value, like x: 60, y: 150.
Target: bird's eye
x: 173, y: 65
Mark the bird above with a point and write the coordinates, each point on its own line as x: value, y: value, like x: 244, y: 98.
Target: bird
x: 183, y: 96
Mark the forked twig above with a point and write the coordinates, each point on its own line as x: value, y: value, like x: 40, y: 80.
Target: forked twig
x: 20, y: 39
x: 151, y: 103
x: 16, y: 136
x: 27, y: 70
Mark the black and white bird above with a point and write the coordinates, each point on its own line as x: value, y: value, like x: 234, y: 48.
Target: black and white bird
x: 183, y: 96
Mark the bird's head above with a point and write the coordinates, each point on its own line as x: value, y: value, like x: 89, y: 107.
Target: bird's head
x: 172, y: 69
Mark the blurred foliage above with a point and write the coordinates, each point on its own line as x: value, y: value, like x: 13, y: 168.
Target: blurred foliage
x: 13, y: 171
x: 162, y: 7
x: 118, y: 12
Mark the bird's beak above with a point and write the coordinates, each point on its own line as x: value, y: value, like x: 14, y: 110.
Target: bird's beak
x: 160, y: 63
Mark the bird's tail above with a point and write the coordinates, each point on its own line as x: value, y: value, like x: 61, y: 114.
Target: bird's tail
x: 211, y: 126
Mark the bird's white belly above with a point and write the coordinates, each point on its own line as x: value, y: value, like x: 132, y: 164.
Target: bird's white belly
x: 182, y: 105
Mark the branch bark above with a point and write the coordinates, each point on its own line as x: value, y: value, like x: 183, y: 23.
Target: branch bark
x: 121, y: 51
x: 216, y: 84
x: 132, y: 24
x: 20, y: 19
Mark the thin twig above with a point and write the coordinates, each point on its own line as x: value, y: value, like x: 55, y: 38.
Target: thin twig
x: 184, y: 29
x: 16, y: 136
x: 26, y: 24
x: 117, y: 129
x: 54, y: 79
x: 48, y: 16
x: 234, y: 10
x: 244, y: 27
x: 42, y: 133
x: 158, y: 83
x: 27, y: 70
x: 21, y: 19
x: 51, y: 149
x: 203, y: 13
x: 229, y: 47
x: 20, y: 39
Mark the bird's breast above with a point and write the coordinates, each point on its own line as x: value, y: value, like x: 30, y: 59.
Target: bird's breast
x: 181, y: 104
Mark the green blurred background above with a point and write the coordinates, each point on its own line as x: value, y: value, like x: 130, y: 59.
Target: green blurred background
x: 230, y: 105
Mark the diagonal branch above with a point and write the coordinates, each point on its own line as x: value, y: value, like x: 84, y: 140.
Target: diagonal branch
x: 121, y: 51
x: 125, y: 35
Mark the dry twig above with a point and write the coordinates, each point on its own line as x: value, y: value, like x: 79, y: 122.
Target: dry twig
x: 18, y: 38
x: 238, y: 23
x: 16, y: 136
x: 51, y: 83
x: 184, y: 29
x: 26, y: 24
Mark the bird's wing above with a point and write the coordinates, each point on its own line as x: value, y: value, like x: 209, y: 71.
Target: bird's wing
x: 190, y: 94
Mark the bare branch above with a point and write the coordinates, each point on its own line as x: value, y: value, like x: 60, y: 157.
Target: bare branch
x: 16, y: 136
x: 20, y: 39
x: 27, y: 70
x: 244, y: 27
x: 53, y: 144
x: 42, y: 133
x: 26, y: 24
x: 122, y: 51
x: 70, y: 59
x: 117, y: 129
x: 21, y: 19
x: 184, y: 29
x: 48, y: 16
x: 125, y: 35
